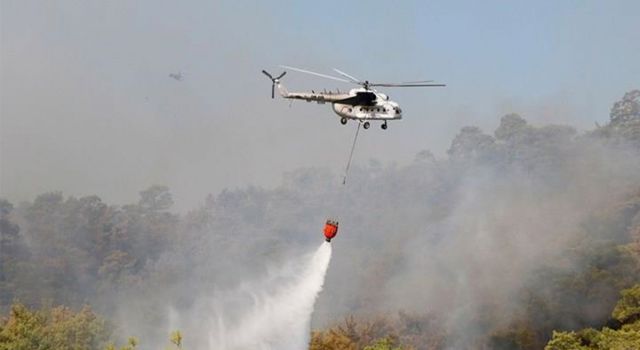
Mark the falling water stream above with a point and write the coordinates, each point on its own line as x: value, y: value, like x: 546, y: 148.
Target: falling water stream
x: 279, y: 313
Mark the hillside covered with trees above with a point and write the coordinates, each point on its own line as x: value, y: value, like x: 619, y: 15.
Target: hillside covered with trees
x: 524, y: 238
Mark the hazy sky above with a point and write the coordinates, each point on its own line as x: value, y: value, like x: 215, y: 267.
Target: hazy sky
x: 87, y: 107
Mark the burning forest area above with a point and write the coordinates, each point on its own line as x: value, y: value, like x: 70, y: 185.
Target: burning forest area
x: 525, y: 237
x: 344, y: 175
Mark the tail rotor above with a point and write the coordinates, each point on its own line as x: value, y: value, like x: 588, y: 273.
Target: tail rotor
x: 274, y: 81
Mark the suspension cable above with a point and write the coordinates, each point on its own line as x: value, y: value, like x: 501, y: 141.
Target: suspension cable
x: 353, y: 147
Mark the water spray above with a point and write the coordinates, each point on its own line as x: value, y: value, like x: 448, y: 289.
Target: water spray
x: 279, y: 316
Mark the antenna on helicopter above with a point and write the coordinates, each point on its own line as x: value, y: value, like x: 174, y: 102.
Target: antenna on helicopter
x: 274, y: 81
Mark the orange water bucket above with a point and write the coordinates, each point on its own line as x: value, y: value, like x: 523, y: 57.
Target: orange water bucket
x: 330, y: 230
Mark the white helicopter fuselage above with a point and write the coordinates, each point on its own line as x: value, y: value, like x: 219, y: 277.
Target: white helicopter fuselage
x: 382, y: 108
x: 359, y: 103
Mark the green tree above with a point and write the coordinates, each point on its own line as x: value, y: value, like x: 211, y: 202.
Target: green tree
x: 617, y: 340
x: 512, y: 127
x: 624, y: 122
x: 53, y: 329
x: 132, y: 344
x: 628, y: 308
x: 12, y: 252
x: 626, y: 311
x: 471, y: 143
x: 155, y: 199
x: 627, y: 109
x: 386, y: 343
x: 565, y: 341
x: 331, y: 340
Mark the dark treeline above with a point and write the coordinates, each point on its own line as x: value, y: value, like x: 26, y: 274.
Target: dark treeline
x: 513, y: 235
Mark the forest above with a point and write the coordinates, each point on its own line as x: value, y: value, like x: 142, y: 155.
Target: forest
x: 524, y: 238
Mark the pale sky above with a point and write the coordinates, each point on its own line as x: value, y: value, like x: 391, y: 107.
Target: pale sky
x: 87, y: 106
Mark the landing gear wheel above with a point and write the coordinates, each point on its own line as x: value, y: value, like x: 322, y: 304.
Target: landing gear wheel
x: 343, y: 121
x: 384, y: 126
x: 366, y: 125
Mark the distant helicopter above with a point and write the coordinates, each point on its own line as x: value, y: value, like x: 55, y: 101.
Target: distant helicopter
x: 361, y: 104
x: 177, y: 76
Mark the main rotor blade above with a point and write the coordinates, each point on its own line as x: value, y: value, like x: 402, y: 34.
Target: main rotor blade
x: 317, y: 74
x: 282, y: 75
x: 273, y: 90
x: 352, y: 78
x: 417, y: 82
x: 408, y: 85
x: 267, y: 74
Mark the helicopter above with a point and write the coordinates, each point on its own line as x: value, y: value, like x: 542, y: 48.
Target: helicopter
x: 177, y: 76
x: 362, y: 104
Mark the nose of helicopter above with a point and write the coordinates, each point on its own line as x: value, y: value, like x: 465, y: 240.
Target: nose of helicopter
x: 398, y: 112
